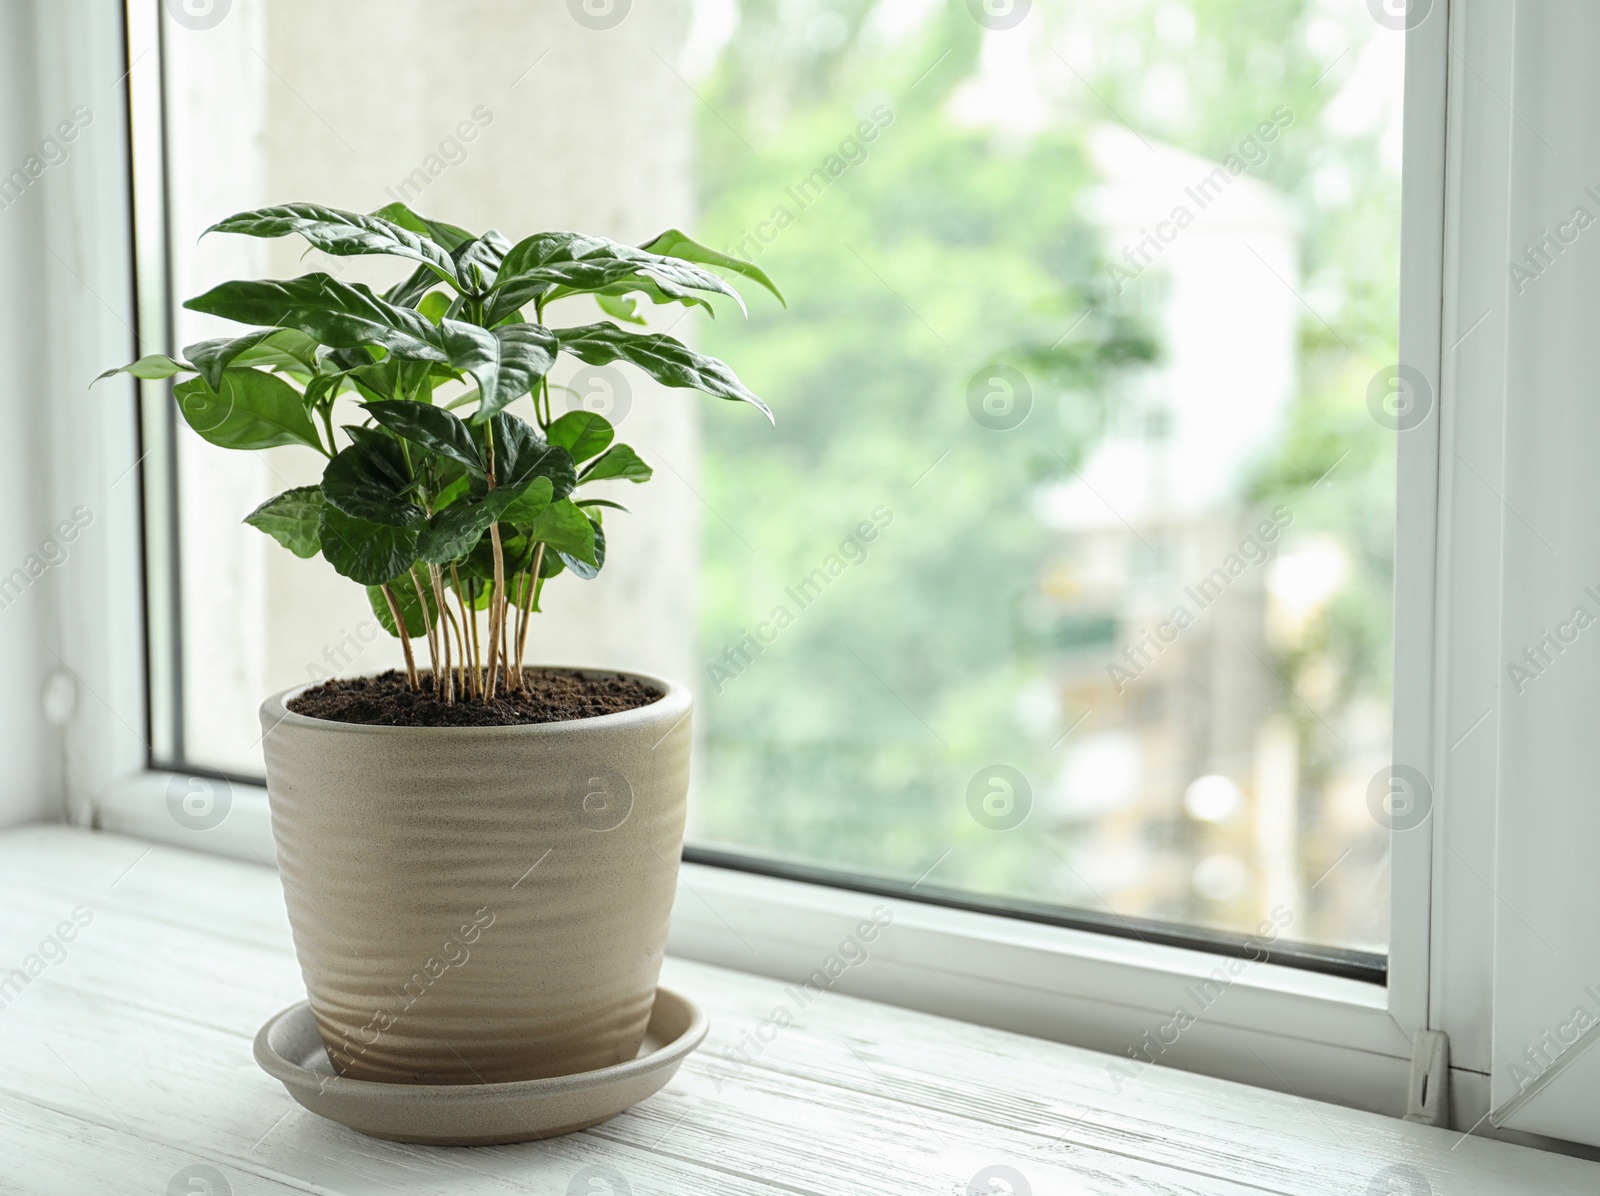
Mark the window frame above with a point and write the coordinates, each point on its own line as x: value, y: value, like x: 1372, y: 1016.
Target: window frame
x: 1322, y: 1036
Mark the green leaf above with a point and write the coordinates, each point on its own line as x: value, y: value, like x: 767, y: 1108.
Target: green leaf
x: 549, y: 266
x: 601, y: 502
x: 620, y: 462
x: 530, y: 503
x: 588, y: 570
x: 331, y: 312
x: 152, y: 368
x: 516, y: 356
x: 293, y: 519
x: 477, y: 262
x: 452, y: 492
x: 270, y: 346
x: 414, y: 287
x: 348, y: 317
x: 369, y: 481
x: 565, y: 529
x: 675, y: 243
x: 455, y: 531
x: 283, y: 349
x: 620, y: 307
x: 323, y: 389
x: 432, y: 427
x: 665, y: 359
x: 365, y: 552
x: 520, y: 455
x: 344, y: 234
x: 252, y: 410
x: 446, y: 236
x: 411, y: 609
x: 435, y: 306
x: 583, y: 434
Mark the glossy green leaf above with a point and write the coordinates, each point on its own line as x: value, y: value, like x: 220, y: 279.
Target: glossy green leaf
x: 548, y: 266
x: 366, y: 552
x: 600, y: 502
x: 477, y: 262
x: 152, y: 368
x: 252, y: 410
x: 323, y: 389
x: 293, y: 519
x: 565, y: 529
x: 370, y: 481
x: 529, y: 504
x: 283, y: 349
x: 621, y: 462
x: 411, y: 607
x: 616, y: 276
x: 212, y: 357
x: 447, y: 236
x: 675, y: 243
x: 665, y: 359
x: 343, y: 234
x: 435, y: 306
x: 462, y: 485
x: 332, y: 312
x: 588, y: 570
x: 520, y: 455
x: 514, y: 358
x: 455, y: 531
x: 434, y: 428
x: 412, y: 290
x: 620, y: 307
x: 583, y: 434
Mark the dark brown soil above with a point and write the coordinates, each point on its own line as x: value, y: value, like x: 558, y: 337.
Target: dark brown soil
x: 548, y: 696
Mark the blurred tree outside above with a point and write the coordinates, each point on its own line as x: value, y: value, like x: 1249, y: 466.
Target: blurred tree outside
x: 942, y: 276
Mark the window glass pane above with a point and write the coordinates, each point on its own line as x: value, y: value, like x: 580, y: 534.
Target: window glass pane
x: 1065, y: 576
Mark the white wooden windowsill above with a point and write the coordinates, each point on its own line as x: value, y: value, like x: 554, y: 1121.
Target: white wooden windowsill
x: 127, y: 1059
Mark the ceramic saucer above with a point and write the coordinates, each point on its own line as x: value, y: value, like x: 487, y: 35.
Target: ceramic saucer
x: 289, y: 1049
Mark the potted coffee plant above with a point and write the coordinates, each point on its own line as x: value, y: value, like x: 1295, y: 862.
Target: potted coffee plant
x: 478, y: 857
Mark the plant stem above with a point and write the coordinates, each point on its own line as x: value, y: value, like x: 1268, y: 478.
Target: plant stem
x: 527, y: 603
x: 477, y: 651
x: 497, y: 611
x: 444, y: 634
x: 433, y: 639
x: 470, y: 689
x: 458, y: 679
x: 497, y: 596
x: 405, y: 639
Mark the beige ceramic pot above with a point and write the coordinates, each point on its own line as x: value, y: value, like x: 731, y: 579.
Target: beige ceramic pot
x: 480, y: 905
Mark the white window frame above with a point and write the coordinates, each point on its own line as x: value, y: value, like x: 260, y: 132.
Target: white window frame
x: 1318, y: 1035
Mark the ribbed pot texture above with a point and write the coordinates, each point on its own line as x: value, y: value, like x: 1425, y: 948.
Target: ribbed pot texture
x: 479, y: 905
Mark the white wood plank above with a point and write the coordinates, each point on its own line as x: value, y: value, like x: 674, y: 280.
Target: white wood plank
x: 130, y: 1057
